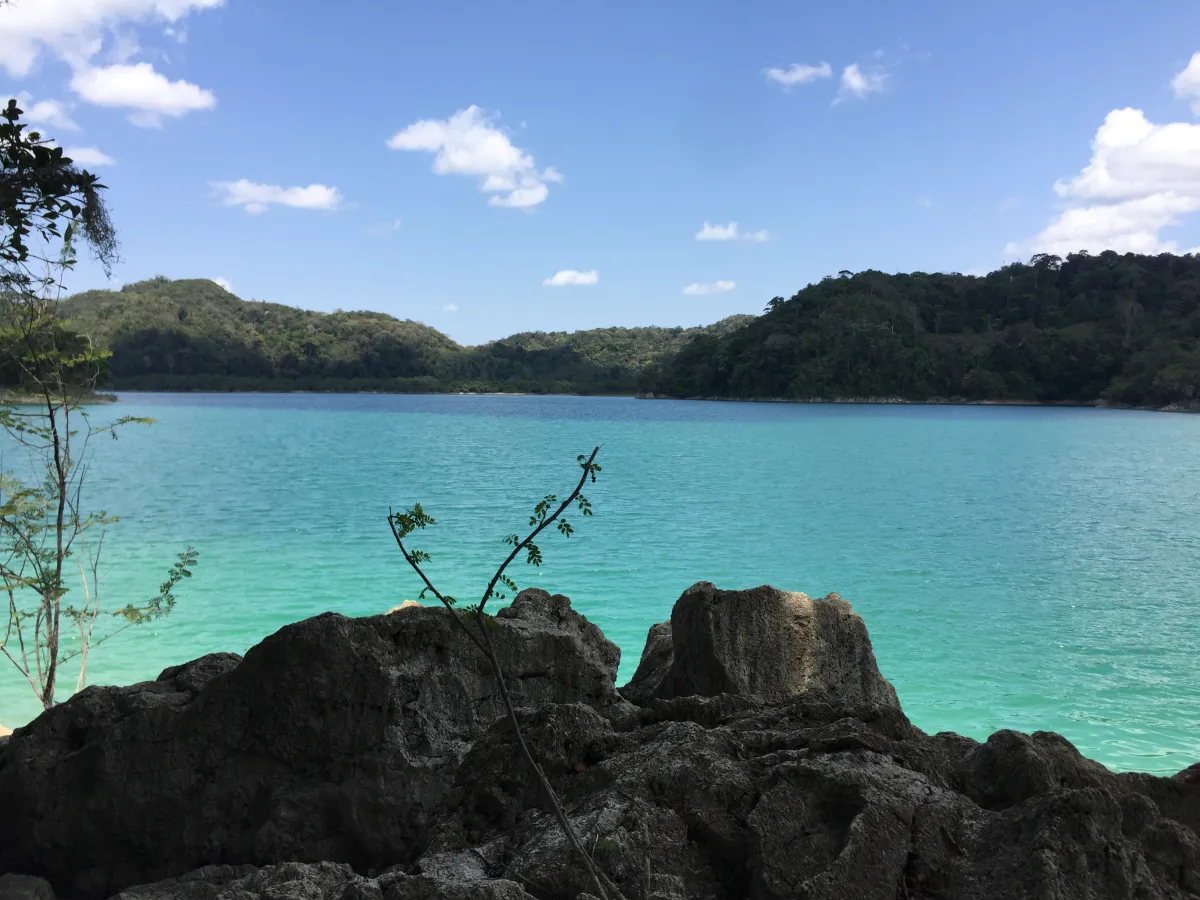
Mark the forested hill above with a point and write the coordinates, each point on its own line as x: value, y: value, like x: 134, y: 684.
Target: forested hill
x: 194, y: 335
x: 1107, y: 328
x: 1118, y: 329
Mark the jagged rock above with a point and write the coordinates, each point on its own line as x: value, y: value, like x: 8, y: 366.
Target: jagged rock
x: 321, y: 881
x: 1011, y: 768
x: 334, y: 739
x: 375, y: 743
x: 25, y: 887
x: 763, y: 643
x: 407, y: 604
x: 653, y: 667
x: 799, y: 799
x: 1190, y: 775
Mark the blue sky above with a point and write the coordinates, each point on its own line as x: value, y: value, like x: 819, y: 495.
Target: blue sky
x: 250, y: 142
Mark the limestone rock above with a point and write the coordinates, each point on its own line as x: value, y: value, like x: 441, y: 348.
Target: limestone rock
x: 1190, y: 775
x: 320, y: 881
x: 407, y: 604
x: 367, y: 760
x: 25, y: 887
x: 762, y: 643
x: 654, y: 666
x: 334, y: 739
x: 794, y: 799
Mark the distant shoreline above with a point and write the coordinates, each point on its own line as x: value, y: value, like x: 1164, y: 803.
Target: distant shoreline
x: 839, y: 401
x: 31, y: 400
x: 897, y: 401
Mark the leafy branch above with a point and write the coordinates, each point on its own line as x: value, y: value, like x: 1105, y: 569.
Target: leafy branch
x: 548, y: 511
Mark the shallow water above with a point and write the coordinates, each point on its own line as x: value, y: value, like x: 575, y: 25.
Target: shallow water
x: 1017, y: 567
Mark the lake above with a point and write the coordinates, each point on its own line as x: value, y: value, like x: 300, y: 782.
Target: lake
x: 1021, y: 568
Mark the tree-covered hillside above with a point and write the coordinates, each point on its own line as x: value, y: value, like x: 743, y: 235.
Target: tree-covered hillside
x: 194, y: 335
x: 1105, y: 328
x: 629, y: 347
x: 1108, y: 328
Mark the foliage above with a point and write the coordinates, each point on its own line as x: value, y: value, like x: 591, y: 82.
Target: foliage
x: 1112, y: 328
x: 194, y: 335
x: 548, y: 511
x: 45, y: 201
x: 628, y: 348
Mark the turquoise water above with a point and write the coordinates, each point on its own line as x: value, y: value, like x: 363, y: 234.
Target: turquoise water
x: 1017, y: 568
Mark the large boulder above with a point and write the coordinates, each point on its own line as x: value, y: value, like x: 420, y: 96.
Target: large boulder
x: 764, y: 643
x: 334, y: 739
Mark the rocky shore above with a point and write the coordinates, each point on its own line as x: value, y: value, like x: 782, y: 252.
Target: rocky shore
x: 757, y: 753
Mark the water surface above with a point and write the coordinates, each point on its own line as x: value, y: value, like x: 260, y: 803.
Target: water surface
x: 1017, y: 567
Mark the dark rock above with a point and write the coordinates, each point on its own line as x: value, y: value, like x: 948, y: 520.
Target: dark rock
x: 25, y: 887
x: 334, y: 739
x: 654, y: 666
x: 763, y: 643
x: 378, y: 743
x: 1013, y: 767
x: 322, y: 881
x: 1190, y: 775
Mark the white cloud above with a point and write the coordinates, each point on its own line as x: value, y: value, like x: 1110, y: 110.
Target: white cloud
x: 151, y: 94
x: 572, y: 277
x: 857, y: 83
x: 75, y: 30
x: 43, y: 112
x: 450, y: 308
x: 699, y: 289
x: 798, y: 74
x: 1008, y: 204
x: 468, y: 143
x: 88, y: 156
x: 731, y: 232
x: 255, y: 198
x: 1187, y: 83
x: 223, y: 282
x: 1131, y: 226
x: 1132, y: 157
x: 1142, y: 178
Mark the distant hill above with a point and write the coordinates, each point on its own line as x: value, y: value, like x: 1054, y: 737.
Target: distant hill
x: 635, y: 348
x: 194, y: 335
x: 1110, y: 328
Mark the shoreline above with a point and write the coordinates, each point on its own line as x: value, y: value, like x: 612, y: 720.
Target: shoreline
x: 941, y: 401
x: 30, y: 400
x: 649, y: 395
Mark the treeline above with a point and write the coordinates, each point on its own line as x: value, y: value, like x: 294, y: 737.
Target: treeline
x: 1110, y: 328
x: 194, y: 335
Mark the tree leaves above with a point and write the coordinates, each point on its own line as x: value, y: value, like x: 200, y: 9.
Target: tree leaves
x: 412, y: 520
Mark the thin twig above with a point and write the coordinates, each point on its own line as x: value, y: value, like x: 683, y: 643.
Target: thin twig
x: 429, y: 584
x: 587, y: 471
x: 603, y: 885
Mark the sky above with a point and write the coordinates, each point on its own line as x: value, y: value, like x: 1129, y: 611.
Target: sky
x: 489, y: 168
